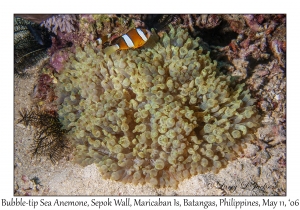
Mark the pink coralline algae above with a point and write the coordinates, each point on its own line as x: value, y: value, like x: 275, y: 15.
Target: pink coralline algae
x: 259, y: 38
x: 194, y: 21
x: 43, y: 93
x: 58, y: 59
x: 239, y: 42
x: 253, y: 22
x: 43, y: 87
x: 278, y: 49
x: 62, y: 23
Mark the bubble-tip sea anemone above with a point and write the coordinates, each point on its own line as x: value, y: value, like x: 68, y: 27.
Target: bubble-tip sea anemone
x: 155, y: 115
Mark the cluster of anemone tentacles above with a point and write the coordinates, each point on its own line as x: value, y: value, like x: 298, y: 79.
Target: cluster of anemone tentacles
x: 155, y: 116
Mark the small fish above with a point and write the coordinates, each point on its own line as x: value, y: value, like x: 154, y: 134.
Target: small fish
x: 134, y: 38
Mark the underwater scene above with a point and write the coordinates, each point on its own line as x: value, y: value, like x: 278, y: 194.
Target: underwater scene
x: 151, y: 104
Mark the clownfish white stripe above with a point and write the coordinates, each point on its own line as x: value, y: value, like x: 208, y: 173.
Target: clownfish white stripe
x: 128, y: 41
x: 103, y: 39
x: 99, y: 41
x: 141, y: 33
x: 134, y: 38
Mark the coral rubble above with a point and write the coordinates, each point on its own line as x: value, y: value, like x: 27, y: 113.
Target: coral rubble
x: 203, y: 21
x: 268, y: 82
x: 240, y: 41
x: 259, y: 39
x: 155, y: 115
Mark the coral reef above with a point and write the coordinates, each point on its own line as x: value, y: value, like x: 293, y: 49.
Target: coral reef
x: 30, y: 45
x: 95, y: 26
x: 62, y: 23
x: 204, y: 21
x: 260, y: 38
x: 49, y: 137
x: 114, y: 24
x: 240, y: 42
x: 268, y: 82
x: 67, y: 34
x: 256, y: 52
x: 92, y: 27
x: 155, y: 115
x: 88, y: 28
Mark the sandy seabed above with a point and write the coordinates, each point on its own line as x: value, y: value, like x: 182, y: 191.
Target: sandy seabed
x: 38, y: 176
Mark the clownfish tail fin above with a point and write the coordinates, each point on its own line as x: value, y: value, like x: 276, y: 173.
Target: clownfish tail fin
x: 111, y: 49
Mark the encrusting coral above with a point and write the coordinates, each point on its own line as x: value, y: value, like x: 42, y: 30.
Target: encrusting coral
x: 156, y: 115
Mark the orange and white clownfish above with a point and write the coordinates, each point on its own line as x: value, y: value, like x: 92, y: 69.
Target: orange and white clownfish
x: 134, y: 38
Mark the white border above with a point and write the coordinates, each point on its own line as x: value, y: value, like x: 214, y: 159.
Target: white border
x: 153, y: 6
